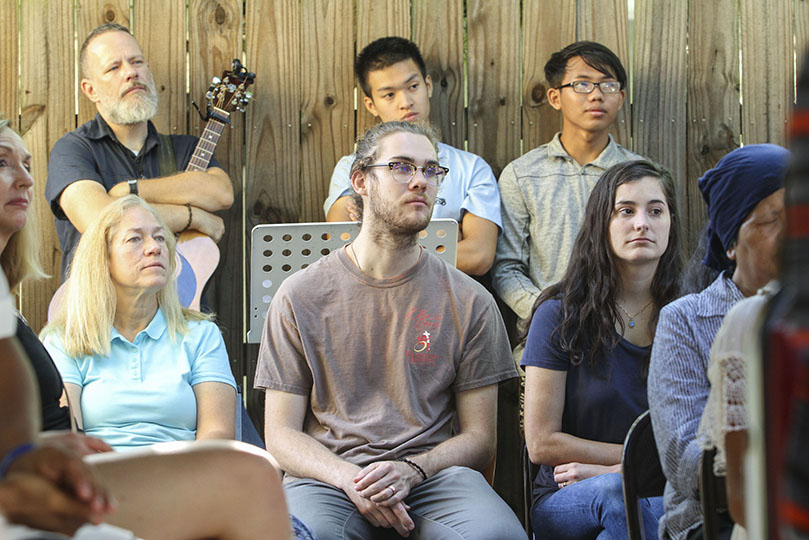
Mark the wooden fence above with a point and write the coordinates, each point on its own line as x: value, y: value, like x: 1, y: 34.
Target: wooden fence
x: 706, y: 75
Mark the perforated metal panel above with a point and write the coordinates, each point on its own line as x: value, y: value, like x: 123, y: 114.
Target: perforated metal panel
x: 281, y: 250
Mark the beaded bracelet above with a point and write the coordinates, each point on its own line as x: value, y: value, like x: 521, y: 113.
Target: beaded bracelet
x: 415, y: 466
x: 13, y: 455
x: 190, y: 218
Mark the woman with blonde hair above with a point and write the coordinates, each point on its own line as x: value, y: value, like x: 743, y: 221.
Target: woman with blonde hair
x: 215, y: 489
x: 139, y: 369
x: 19, y: 258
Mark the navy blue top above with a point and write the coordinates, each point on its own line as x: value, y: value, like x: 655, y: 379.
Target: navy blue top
x: 600, y: 404
x: 92, y: 152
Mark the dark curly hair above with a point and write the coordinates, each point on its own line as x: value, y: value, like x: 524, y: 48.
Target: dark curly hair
x: 587, y: 291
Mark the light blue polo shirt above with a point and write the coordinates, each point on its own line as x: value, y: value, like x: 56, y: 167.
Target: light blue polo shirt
x: 142, y: 393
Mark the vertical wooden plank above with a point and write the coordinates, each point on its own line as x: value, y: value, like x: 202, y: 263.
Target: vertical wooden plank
x: 659, y: 109
x: 438, y: 31
x: 215, y: 39
x: 713, y: 97
x: 767, y: 70
x: 607, y: 22
x: 272, y: 139
x: 493, y: 124
x: 159, y: 27
x: 327, y: 99
x: 801, y: 28
x: 9, y: 81
x: 375, y: 20
x: 92, y: 13
x: 547, y: 27
x: 494, y: 80
x: 47, y: 112
x: 273, y: 162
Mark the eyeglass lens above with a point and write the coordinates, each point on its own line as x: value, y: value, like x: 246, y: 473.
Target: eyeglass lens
x: 607, y: 87
x: 404, y: 172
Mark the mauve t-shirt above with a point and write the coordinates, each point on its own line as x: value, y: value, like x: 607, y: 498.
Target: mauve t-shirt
x: 381, y: 360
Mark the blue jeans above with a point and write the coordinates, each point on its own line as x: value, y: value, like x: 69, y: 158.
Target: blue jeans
x: 592, y: 509
x: 299, y: 530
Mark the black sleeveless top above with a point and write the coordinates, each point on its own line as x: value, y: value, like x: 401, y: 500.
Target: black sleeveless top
x: 48, y: 378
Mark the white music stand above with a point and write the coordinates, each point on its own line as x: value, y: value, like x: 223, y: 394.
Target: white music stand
x: 282, y: 249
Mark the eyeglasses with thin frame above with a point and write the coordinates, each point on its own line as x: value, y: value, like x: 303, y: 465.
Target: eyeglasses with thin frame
x: 586, y: 87
x: 404, y: 172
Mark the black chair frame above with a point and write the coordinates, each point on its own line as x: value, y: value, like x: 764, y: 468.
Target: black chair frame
x: 641, y: 473
x: 529, y: 475
x: 712, y: 496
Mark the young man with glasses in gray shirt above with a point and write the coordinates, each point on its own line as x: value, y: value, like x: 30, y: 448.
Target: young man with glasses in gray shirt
x: 544, y: 192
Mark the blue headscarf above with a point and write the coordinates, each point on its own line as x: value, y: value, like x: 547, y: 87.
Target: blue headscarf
x: 732, y: 189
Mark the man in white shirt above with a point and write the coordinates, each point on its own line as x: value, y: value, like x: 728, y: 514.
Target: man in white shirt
x: 396, y: 85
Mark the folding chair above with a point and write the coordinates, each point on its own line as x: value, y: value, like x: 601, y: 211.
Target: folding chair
x: 530, y: 471
x: 712, y: 496
x: 641, y: 473
x: 280, y: 250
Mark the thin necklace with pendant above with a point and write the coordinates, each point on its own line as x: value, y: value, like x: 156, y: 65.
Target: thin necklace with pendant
x: 354, y: 254
x: 632, y: 317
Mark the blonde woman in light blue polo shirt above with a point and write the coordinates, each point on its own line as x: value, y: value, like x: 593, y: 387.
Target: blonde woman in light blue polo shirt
x: 138, y: 368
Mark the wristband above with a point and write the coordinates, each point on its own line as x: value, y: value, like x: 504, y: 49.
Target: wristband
x: 190, y: 218
x: 133, y: 186
x: 14, y: 454
x: 415, y: 466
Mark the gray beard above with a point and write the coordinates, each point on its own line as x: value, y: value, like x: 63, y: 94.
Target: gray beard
x: 138, y: 110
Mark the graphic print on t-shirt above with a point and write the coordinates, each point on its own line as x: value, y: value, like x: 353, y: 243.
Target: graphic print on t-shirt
x: 425, y: 327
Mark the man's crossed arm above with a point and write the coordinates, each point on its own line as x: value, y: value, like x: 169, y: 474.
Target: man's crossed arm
x: 206, y: 191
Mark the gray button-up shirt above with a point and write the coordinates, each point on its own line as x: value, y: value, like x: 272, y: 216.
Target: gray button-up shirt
x: 543, y: 196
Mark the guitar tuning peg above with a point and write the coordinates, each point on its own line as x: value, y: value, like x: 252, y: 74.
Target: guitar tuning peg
x: 209, y: 94
x: 248, y: 95
x: 215, y: 80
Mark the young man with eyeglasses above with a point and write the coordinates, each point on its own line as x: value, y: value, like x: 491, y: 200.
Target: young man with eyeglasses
x: 370, y: 354
x: 394, y: 79
x: 544, y: 192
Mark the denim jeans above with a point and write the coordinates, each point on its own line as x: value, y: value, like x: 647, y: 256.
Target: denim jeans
x: 592, y: 509
x: 299, y: 530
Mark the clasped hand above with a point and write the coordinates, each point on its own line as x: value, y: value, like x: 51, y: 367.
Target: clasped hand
x: 570, y: 473
x: 379, y: 491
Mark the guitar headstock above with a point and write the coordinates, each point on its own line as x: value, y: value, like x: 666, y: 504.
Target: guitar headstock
x: 230, y: 92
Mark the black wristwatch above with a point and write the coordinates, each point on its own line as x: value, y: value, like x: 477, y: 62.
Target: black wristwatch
x: 133, y: 186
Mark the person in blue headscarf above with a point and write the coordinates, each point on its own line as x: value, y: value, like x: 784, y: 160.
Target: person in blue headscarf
x: 744, y: 197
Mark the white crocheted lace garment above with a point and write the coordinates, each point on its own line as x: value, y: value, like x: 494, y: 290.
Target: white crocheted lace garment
x: 736, y: 345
